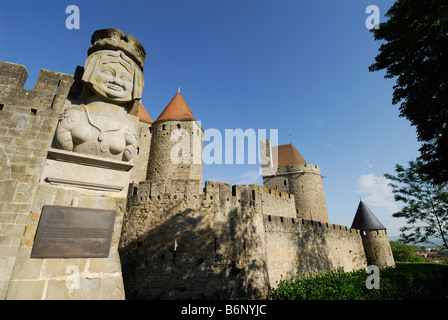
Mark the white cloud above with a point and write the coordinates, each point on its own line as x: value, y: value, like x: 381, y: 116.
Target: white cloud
x: 375, y: 191
x: 249, y: 177
x: 368, y: 164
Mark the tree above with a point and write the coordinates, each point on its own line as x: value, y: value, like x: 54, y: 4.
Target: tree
x: 425, y: 204
x: 415, y: 51
x: 404, y: 252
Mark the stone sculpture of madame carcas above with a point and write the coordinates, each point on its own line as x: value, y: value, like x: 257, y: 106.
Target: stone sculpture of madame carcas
x: 112, y: 81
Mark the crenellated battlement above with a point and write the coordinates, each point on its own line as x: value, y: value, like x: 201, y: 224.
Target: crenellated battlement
x: 279, y: 223
x: 216, y: 194
x: 299, y: 169
x: 48, y: 96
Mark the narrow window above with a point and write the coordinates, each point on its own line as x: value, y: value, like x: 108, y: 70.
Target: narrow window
x: 1, y: 106
x: 33, y: 111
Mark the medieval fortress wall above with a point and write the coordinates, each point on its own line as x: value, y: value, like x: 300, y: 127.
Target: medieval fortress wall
x: 225, y: 242
x: 28, y: 119
x: 31, y: 171
x: 172, y: 236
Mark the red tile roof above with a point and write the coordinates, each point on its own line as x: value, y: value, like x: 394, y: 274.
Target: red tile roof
x: 287, y: 154
x: 177, y: 109
x: 143, y: 114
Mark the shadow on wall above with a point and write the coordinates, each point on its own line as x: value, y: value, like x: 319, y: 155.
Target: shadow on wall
x: 313, y: 245
x: 296, y: 248
x: 191, y: 253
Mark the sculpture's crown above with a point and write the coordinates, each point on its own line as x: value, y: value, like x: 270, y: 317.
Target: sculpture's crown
x: 115, y: 39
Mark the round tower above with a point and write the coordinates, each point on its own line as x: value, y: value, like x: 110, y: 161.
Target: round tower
x: 299, y: 178
x: 374, y: 237
x: 176, y: 144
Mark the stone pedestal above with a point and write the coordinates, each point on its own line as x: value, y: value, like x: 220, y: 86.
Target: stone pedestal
x: 73, y: 180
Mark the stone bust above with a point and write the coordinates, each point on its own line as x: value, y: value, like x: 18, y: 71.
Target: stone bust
x: 112, y: 81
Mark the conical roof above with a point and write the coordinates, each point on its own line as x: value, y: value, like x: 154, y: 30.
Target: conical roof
x: 285, y: 155
x: 143, y: 114
x: 365, y: 219
x: 177, y: 109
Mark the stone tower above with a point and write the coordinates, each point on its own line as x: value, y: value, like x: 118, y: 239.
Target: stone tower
x: 374, y: 237
x: 176, y: 145
x: 288, y: 172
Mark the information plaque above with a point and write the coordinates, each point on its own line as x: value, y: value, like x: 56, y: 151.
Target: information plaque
x: 68, y: 232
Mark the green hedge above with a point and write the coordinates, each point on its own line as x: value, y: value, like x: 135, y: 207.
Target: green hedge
x: 405, y: 281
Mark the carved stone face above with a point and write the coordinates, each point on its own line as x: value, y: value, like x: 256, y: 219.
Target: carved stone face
x: 114, y: 76
x: 115, y: 80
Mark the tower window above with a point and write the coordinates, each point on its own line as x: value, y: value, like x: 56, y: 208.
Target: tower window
x: 163, y: 127
x: 178, y: 126
x: 284, y: 182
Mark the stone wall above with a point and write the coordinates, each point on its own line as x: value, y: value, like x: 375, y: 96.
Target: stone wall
x: 28, y: 119
x: 34, y: 174
x: 180, y: 244
x: 226, y: 242
x: 138, y: 173
x: 298, y: 247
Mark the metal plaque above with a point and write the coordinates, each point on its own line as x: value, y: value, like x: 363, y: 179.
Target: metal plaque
x: 67, y: 232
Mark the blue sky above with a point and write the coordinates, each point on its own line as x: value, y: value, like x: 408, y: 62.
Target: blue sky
x: 297, y: 66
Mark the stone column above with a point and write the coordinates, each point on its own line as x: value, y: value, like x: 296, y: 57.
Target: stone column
x: 87, y: 167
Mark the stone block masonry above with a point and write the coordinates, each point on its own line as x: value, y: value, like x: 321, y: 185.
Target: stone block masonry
x: 180, y: 244
x: 28, y: 119
x: 228, y: 242
x: 34, y: 174
x: 298, y: 247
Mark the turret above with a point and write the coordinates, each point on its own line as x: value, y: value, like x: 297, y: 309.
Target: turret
x: 176, y: 145
x: 295, y: 176
x: 374, y: 237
